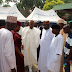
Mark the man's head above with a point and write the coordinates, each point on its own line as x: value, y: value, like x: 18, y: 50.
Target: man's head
x: 55, y: 29
x: 26, y: 23
x: 31, y: 24
x: 2, y: 23
x: 11, y: 22
x: 17, y: 28
x: 46, y: 25
x: 66, y: 29
x: 61, y: 23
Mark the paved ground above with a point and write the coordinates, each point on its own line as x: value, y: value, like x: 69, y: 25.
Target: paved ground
x: 35, y: 69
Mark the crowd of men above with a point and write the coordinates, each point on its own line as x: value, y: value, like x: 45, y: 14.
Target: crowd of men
x: 48, y: 47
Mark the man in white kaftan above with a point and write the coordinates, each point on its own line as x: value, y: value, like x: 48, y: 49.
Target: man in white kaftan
x: 20, y: 31
x: 30, y: 41
x: 55, y: 53
x: 46, y: 39
x: 7, y: 52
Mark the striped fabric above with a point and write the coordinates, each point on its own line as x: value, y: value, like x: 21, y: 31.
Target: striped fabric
x: 68, y: 44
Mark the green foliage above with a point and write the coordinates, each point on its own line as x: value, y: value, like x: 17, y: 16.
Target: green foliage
x: 32, y: 3
x: 60, y: 14
x: 50, y: 3
x: 1, y: 1
x: 25, y: 12
x: 25, y: 5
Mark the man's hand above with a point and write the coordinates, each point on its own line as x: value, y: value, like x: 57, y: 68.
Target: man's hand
x: 13, y: 70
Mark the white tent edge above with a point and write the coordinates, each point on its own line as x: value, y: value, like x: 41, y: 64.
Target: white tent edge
x: 10, y: 13
x: 30, y: 17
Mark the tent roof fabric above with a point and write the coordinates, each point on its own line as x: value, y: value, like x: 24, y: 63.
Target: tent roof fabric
x: 11, y: 11
x: 63, y: 6
x: 40, y: 15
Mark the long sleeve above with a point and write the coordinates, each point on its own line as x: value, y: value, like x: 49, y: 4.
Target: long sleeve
x: 9, y: 51
x: 60, y: 45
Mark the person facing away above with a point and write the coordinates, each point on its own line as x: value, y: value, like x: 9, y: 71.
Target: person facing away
x: 55, y: 52
x: 61, y: 23
x: 7, y: 51
x: 46, y: 39
x: 17, y: 43
x: 68, y: 47
x: 30, y: 41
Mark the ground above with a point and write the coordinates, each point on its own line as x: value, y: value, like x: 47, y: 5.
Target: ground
x: 34, y: 68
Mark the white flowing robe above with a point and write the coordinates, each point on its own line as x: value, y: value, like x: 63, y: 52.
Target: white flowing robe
x: 31, y: 41
x: 7, y: 51
x: 46, y: 39
x: 54, y: 60
x: 20, y: 31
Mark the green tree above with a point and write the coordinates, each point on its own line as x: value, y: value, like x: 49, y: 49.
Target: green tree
x: 1, y: 1
x: 32, y: 3
x: 24, y: 11
x: 25, y: 5
x: 50, y: 3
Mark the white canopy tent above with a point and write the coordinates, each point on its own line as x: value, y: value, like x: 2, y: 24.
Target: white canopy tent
x: 11, y: 11
x: 40, y: 15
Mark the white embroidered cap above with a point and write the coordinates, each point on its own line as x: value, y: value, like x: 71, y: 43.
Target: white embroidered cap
x: 11, y: 19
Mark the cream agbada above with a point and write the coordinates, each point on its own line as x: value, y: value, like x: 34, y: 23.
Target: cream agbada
x: 30, y: 41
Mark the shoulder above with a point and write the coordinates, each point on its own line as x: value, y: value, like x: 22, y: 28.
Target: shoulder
x: 9, y: 34
x: 37, y: 30
x: 6, y: 31
x: 13, y: 32
x: 50, y: 29
x: 60, y: 37
x: 3, y: 31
